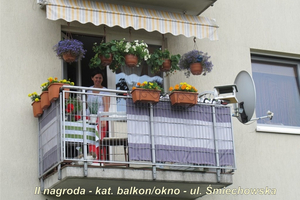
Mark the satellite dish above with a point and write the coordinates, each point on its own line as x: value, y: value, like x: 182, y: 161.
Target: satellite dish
x: 246, y: 96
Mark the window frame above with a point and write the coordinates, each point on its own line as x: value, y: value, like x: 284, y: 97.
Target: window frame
x: 280, y: 60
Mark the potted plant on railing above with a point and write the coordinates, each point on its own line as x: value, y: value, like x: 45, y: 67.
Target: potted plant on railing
x: 45, y: 103
x: 106, y: 53
x: 36, y: 104
x: 183, y: 94
x: 195, y: 62
x: 148, y: 92
x: 132, y: 53
x: 73, y: 108
x: 163, y: 61
x: 69, y: 50
x: 54, y: 88
x: 93, y: 108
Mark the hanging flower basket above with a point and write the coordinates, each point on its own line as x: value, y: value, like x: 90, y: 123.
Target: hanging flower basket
x: 131, y: 60
x: 183, y: 98
x: 37, y: 109
x: 166, y: 66
x: 196, y: 68
x: 145, y: 95
x: 45, y: 103
x: 68, y: 57
x: 106, y: 61
x: 54, y: 91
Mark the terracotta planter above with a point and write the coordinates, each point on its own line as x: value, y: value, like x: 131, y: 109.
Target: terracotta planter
x: 183, y: 98
x: 196, y: 68
x: 145, y: 95
x: 166, y: 66
x: 106, y: 61
x: 45, y: 103
x: 37, y: 109
x: 69, y: 58
x: 131, y: 60
x: 53, y: 91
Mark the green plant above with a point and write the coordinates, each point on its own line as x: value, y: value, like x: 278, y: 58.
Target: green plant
x: 34, y: 97
x: 73, y: 105
x: 195, y: 56
x: 93, y: 107
x: 139, y: 49
x: 105, y: 49
x: 158, y: 57
x: 183, y: 87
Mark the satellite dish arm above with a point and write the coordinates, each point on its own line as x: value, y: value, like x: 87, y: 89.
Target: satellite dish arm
x: 269, y: 115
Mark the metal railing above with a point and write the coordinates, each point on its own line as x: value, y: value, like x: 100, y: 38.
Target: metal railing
x: 158, y: 136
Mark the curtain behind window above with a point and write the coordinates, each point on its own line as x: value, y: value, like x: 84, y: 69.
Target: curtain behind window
x: 277, y: 90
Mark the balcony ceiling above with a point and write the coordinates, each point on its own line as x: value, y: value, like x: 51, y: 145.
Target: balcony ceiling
x: 190, y: 7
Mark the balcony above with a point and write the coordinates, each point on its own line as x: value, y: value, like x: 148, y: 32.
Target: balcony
x: 154, y: 149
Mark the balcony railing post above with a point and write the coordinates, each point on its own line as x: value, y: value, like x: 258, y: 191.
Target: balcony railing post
x: 84, y: 132
x: 216, y: 143
x: 152, y: 143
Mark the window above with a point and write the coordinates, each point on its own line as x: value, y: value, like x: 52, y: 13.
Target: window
x: 277, y: 89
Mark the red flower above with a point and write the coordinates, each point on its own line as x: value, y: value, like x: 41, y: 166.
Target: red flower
x: 77, y: 117
x: 70, y: 108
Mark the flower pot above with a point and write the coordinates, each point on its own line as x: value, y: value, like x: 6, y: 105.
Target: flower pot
x: 166, y: 66
x: 53, y: 91
x: 45, y: 103
x: 93, y: 119
x: 37, y: 109
x: 68, y: 57
x: 131, y: 60
x: 183, y: 98
x: 145, y: 95
x: 196, y: 68
x: 106, y: 61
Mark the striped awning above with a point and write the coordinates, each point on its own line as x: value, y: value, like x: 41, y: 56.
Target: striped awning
x: 98, y: 13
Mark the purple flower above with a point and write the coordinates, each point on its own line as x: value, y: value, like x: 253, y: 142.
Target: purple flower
x: 72, y: 46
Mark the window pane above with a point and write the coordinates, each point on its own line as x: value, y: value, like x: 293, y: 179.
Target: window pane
x: 277, y: 90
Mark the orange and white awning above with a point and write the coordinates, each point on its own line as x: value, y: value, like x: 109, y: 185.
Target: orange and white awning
x: 98, y: 13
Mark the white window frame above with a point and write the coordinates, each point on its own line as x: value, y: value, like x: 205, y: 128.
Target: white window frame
x: 280, y: 60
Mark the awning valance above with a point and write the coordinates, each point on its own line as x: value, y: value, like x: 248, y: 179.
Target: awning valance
x: 98, y: 13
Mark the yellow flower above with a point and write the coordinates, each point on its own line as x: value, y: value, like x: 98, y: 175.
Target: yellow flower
x: 64, y: 81
x: 29, y: 95
x: 34, y: 93
x: 183, y: 87
x: 133, y: 88
x: 36, y: 99
x: 188, y: 88
x: 145, y: 82
x: 150, y: 83
x: 72, y: 83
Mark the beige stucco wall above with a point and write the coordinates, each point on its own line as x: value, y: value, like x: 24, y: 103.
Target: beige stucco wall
x: 27, y: 60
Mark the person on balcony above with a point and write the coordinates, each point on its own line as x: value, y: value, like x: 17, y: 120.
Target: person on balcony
x: 95, y: 105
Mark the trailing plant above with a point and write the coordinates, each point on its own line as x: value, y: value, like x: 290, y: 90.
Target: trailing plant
x: 71, y: 46
x: 195, y: 56
x: 158, y: 57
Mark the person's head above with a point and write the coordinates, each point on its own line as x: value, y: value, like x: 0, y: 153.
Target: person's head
x: 97, y: 78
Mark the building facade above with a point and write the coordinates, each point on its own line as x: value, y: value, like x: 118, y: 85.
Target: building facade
x: 260, y: 37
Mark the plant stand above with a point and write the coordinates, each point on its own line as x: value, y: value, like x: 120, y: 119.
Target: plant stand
x: 183, y: 98
x: 145, y: 95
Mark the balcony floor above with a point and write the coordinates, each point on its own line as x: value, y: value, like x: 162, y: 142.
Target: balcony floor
x: 114, y: 181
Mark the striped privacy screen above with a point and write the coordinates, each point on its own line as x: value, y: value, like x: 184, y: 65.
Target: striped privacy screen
x: 111, y: 15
